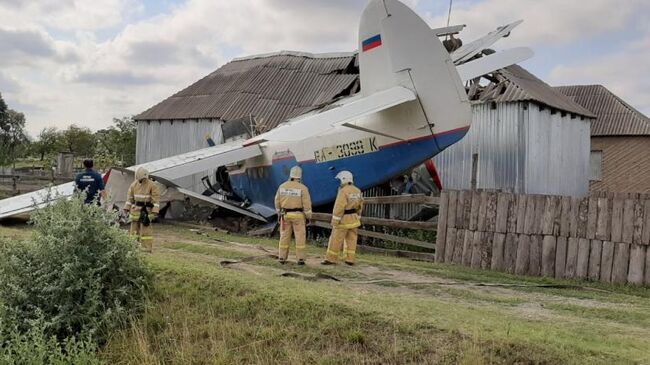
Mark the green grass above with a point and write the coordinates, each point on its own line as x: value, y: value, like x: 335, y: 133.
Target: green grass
x: 386, y: 310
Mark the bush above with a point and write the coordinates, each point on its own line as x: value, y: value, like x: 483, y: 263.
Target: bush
x: 79, y: 274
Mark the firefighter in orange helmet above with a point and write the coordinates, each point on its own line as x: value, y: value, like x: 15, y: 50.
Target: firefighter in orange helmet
x: 346, y: 218
x: 143, y: 205
x: 293, y: 205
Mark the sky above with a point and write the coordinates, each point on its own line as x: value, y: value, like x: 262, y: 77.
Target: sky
x: 85, y: 62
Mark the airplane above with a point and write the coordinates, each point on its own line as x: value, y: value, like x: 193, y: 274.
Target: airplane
x: 411, y: 106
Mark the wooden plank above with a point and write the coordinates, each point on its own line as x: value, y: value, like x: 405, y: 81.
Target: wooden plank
x: 510, y: 253
x: 457, y: 257
x: 583, y: 213
x: 560, y: 257
x: 564, y: 220
x: 571, y: 257
x: 451, y: 210
x: 460, y: 209
x: 482, y: 210
x: 557, y: 217
x: 467, y: 248
x: 394, y: 223
x: 573, y: 217
x: 635, y: 274
x: 582, y: 266
x: 540, y: 206
x: 592, y: 218
x: 476, y: 250
x: 487, y: 240
x: 621, y: 262
x: 474, y: 209
x: 523, y: 254
x: 645, y: 236
x: 522, y: 206
x: 595, y: 253
x: 511, y: 225
x: 638, y: 222
x: 530, y: 215
x: 491, y: 212
x: 535, y: 263
x: 467, y: 208
x: 442, y: 226
x: 603, y: 222
x: 498, y: 250
x: 606, y: 261
x: 646, y: 279
x: 404, y: 199
x: 503, y: 202
x: 548, y: 256
x: 386, y: 237
x: 449, y: 245
x: 547, y: 216
x: 617, y: 220
x: 628, y: 221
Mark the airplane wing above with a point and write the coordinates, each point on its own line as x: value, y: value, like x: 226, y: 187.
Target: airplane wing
x: 471, y: 49
x: 310, y: 125
x: 493, y: 62
x: 168, y: 168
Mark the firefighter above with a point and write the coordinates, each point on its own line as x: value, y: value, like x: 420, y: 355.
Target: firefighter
x: 346, y: 218
x: 143, y: 204
x: 293, y: 205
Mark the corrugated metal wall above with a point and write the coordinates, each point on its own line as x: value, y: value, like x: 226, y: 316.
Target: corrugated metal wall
x: 165, y: 138
x: 520, y: 148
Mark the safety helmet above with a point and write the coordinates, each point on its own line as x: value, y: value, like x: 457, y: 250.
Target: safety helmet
x: 295, y: 173
x: 345, y: 177
x: 141, y: 173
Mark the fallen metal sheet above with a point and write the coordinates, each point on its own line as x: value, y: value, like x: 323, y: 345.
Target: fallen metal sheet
x: 471, y: 49
x: 25, y: 203
x: 303, y: 127
x: 493, y: 62
x: 222, y: 204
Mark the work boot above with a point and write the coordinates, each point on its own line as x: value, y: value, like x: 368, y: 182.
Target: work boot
x: 301, y: 262
x: 282, y: 261
x: 325, y: 262
x: 349, y: 263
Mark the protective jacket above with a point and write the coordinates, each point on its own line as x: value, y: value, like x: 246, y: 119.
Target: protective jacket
x: 347, y: 207
x: 142, y: 195
x: 293, y: 199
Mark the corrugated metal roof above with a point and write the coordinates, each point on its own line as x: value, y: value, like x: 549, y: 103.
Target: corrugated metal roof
x: 521, y: 85
x: 271, y: 87
x: 615, y: 117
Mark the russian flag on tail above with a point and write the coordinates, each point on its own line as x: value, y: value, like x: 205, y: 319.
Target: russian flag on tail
x: 370, y: 43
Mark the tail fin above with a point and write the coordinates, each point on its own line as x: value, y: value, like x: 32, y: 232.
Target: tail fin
x: 396, y: 47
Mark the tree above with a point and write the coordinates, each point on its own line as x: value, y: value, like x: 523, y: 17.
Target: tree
x: 118, y: 141
x: 49, y: 142
x: 12, y: 134
x: 79, y: 141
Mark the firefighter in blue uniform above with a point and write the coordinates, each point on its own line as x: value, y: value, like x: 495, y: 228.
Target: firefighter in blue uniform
x: 90, y: 182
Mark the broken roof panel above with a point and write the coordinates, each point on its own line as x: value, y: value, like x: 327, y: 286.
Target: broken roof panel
x: 288, y: 81
x: 614, y: 117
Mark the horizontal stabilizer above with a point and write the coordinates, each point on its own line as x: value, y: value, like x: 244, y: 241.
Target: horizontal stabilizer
x: 493, y: 62
x: 469, y: 50
x: 311, y: 125
x: 453, y: 29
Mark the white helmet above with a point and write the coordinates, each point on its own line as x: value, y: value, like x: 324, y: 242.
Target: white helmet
x: 295, y: 173
x: 345, y: 177
x: 141, y: 173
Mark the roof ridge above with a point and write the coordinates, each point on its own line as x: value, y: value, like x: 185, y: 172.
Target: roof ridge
x: 295, y: 54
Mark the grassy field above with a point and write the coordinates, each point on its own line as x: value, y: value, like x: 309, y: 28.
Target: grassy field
x: 385, y: 310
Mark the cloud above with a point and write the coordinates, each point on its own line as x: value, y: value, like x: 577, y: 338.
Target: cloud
x: 18, y: 44
x: 115, y: 78
x: 8, y: 84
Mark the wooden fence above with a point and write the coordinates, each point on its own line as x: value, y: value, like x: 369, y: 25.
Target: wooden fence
x: 602, y: 237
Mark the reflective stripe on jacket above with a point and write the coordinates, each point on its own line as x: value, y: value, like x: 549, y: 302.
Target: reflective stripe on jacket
x: 348, y: 198
x: 293, y: 195
x: 143, y: 192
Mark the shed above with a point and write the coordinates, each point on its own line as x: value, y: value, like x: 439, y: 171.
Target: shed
x: 620, y: 140
x: 525, y: 137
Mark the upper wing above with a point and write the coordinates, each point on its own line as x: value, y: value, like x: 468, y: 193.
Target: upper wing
x: 471, y: 49
x: 493, y: 62
x: 25, y: 203
x: 311, y: 125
